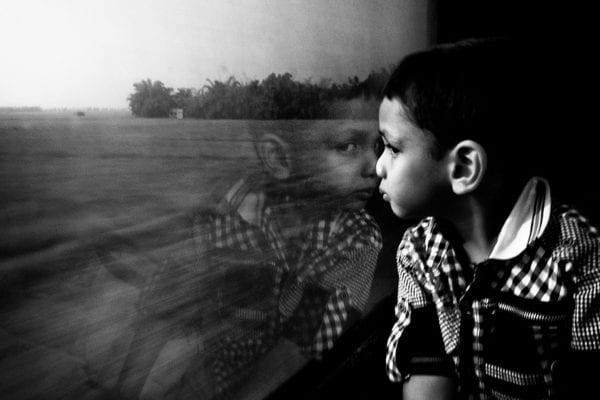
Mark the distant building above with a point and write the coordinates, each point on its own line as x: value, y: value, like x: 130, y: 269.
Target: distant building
x: 176, y: 113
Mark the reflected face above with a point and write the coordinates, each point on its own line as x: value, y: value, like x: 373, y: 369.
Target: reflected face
x: 412, y: 181
x: 336, y: 164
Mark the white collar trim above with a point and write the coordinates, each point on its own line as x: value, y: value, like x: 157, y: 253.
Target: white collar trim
x: 248, y: 204
x: 526, y: 222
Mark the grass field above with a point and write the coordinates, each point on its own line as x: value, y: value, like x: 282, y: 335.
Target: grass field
x: 70, y: 185
x: 64, y: 177
x: 67, y: 183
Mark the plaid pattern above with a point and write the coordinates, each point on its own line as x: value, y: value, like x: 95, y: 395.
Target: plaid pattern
x: 336, y: 313
x: 533, y: 289
x: 315, y: 283
x: 402, y: 312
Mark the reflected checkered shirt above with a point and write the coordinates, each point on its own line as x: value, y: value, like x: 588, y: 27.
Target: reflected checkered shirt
x: 562, y: 266
x: 317, y: 281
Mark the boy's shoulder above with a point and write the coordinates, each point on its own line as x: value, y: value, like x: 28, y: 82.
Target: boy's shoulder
x: 570, y: 233
x: 424, y: 239
x: 421, y: 229
x: 573, y: 224
x: 245, y: 198
x: 567, y: 228
x: 360, y: 221
x: 245, y: 209
x: 343, y: 229
x: 423, y: 233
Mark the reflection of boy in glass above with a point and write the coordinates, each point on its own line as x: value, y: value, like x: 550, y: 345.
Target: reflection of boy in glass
x: 290, y: 254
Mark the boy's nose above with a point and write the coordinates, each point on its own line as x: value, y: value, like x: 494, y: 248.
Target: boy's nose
x: 379, y: 169
x: 369, y: 165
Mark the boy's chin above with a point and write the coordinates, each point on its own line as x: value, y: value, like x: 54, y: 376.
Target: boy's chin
x: 405, y: 214
x: 329, y: 205
x: 353, y: 204
x: 399, y: 212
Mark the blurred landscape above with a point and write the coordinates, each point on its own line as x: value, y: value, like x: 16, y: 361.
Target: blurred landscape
x: 91, y: 206
x: 72, y: 185
x: 65, y: 177
x: 93, y: 200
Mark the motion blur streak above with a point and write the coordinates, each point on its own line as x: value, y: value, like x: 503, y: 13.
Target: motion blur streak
x: 91, y: 207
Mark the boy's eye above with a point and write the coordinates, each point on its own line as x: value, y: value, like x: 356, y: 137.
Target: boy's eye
x: 391, y: 148
x: 387, y: 146
x: 346, y: 147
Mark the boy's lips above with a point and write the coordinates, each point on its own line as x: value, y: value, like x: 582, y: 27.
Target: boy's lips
x: 364, y: 193
x: 385, y: 196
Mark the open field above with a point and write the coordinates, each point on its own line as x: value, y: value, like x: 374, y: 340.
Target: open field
x: 71, y: 185
x: 64, y: 178
x: 68, y: 183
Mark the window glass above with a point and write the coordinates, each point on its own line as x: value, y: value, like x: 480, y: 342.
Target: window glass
x: 189, y: 202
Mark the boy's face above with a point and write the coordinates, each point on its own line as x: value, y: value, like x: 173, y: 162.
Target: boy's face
x: 413, y: 182
x: 335, y: 163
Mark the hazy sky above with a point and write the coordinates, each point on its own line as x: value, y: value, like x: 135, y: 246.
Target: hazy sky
x: 88, y: 53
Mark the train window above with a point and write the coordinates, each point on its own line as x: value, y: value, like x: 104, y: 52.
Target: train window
x: 189, y: 202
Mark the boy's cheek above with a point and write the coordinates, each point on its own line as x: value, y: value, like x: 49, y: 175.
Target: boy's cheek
x: 307, y: 164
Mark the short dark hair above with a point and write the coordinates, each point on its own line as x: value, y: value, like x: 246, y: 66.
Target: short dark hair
x: 476, y: 89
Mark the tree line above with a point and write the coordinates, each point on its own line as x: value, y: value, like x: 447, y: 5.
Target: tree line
x: 278, y: 96
x: 21, y: 109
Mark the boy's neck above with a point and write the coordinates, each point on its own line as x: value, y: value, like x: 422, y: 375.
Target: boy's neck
x: 291, y: 218
x: 478, y: 237
x: 479, y: 222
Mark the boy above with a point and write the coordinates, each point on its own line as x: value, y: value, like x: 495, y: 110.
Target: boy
x: 498, y: 284
x: 287, y: 257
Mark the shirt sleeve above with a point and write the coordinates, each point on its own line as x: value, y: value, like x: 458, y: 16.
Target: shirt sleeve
x: 179, y: 288
x: 572, y: 374
x: 331, y: 320
x: 422, y: 348
x: 329, y: 306
x: 411, y: 296
x: 173, y: 291
x: 160, y: 274
x: 585, y: 331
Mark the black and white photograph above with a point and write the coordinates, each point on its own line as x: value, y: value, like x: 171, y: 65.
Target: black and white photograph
x: 297, y: 199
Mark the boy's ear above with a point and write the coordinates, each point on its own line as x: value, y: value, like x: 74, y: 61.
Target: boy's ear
x: 274, y: 153
x: 468, y: 164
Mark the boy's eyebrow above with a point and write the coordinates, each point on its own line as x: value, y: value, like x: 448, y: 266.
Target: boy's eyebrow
x: 396, y: 142
x: 358, y: 133
x: 351, y: 133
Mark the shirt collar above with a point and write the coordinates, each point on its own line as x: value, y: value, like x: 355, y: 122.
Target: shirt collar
x: 249, y: 204
x: 526, y: 222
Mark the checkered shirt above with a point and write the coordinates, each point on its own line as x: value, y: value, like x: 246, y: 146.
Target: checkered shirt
x: 315, y: 282
x: 504, y: 323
